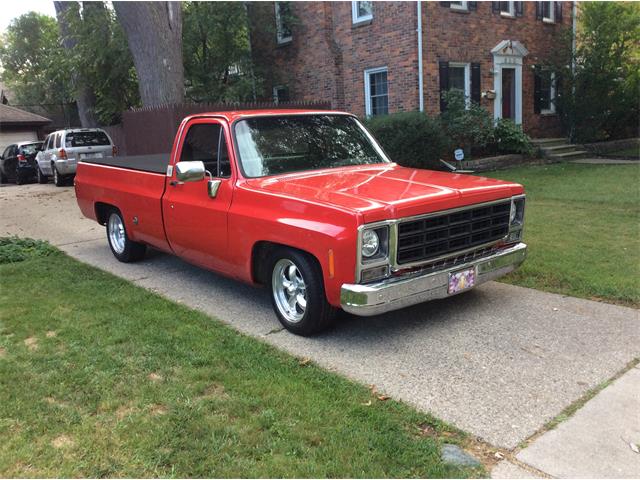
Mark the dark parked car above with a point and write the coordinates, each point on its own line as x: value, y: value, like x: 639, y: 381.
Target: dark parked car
x: 18, y: 162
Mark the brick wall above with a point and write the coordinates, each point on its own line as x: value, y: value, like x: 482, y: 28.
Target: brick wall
x: 327, y: 57
x: 459, y: 36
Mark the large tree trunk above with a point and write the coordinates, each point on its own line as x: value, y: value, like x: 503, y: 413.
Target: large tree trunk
x: 84, y: 95
x: 154, y: 33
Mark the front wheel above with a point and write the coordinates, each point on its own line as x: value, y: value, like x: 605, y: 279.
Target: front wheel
x: 122, y: 247
x: 297, y: 292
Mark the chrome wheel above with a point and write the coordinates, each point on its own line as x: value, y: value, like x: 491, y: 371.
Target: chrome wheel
x: 56, y: 178
x: 289, y: 290
x: 117, y: 235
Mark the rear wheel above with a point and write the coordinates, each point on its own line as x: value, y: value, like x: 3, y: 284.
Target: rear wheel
x: 297, y: 292
x: 58, y: 179
x: 42, y: 178
x: 123, y: 248
x: 19, y: 178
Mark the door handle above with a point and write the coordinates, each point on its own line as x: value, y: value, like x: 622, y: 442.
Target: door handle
x: 174, y: 183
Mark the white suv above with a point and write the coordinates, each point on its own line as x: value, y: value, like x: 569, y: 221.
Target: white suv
x: 62, y: 150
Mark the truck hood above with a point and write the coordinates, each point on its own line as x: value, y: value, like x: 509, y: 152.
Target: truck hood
x: 389, y: 191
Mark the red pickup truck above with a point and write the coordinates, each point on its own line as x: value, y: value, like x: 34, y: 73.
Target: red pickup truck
x: 308, y: 204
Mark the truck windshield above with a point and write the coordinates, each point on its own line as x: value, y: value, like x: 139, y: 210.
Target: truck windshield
x: 290, y: 143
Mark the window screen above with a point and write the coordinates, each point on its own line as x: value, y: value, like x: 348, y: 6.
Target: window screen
x: 378, y: 93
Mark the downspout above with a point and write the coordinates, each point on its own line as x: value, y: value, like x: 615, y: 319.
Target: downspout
x: 574, y: 31
x: 420, y: 73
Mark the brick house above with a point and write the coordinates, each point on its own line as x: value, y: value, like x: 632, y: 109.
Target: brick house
x: 364, y: 57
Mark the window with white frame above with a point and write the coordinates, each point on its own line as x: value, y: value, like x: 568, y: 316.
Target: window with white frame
x: 361, y: 11
x: 376, y: 91
x: 508, y: 9
x: 462, y: 5
x: 283, y: 27
x: 547, y: 92
x: 547, y: 8
x: 459, y: 79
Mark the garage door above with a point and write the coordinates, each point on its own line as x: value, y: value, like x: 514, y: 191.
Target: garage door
x: 7, y: 138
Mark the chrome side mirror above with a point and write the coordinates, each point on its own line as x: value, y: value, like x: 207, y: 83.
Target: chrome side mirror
x: 190, y: 171
x: 212, y: 187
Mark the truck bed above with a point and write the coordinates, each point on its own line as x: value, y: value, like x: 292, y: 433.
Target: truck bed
x: 144, y: 163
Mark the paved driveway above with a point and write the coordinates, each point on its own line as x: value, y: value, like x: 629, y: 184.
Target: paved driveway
x: 498, y: 361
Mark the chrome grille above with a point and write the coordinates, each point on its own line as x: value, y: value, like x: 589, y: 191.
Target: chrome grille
x: 436, y: 236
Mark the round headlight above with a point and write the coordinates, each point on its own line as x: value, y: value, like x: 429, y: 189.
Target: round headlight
x: 370, y: 243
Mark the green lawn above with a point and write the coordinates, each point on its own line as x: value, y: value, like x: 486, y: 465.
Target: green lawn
x: 101, y: 378
x: 582, y: 224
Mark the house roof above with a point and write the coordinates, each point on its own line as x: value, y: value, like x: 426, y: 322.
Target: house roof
x: 15, y: 116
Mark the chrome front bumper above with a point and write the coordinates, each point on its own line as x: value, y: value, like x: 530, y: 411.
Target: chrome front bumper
x: 394, y: 293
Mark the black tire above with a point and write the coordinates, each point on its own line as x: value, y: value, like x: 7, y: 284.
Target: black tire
x: 19, y: 179
x: 318, y: 315
x: 131, y: 251
x: 3, y: 177
x: 42, y: 178
x: 58, y: 179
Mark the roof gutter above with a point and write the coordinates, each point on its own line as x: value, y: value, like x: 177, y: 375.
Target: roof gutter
x: 420, y: 73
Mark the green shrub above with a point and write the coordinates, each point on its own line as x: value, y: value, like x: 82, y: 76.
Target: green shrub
x: 14, y: 249
x: 509, y: 138
x: 468, y: 127
x: 412, y: 139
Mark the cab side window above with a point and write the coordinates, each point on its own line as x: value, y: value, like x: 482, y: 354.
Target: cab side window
x: 58, y: 137
x: 205, y: 142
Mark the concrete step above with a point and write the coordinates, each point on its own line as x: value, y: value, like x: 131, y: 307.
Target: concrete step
x: 572, y: 155
x: 544, y: 142
x: 558, y: 148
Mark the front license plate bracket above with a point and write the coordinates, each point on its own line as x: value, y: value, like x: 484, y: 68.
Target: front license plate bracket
x: 461, y: 280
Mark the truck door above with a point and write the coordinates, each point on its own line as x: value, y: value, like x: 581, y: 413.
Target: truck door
x: 196, y: 224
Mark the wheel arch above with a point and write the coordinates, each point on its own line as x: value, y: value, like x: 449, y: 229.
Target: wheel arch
x: 260, y: 253
x: 102, y: 211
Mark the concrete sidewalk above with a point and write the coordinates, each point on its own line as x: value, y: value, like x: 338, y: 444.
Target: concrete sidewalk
x: 599, y: 441
x: 499, y: 361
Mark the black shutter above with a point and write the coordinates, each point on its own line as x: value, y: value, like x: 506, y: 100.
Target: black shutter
x: 475, y: 82
x: 558, y: 15
x: 519, y: 6
x: 536, y: 90
x: 495, y: 7
x: 445, y: 4
x: 538, y: 10
x: 444, y: 83
x: 472, y: 6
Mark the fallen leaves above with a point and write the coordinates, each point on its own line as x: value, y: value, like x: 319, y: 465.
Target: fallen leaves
x: 31, y: 343
x: 304, y: 362
x: 634, y: 447
x: 51, y: 334
x: 380, y: 396
x: 155, y: 377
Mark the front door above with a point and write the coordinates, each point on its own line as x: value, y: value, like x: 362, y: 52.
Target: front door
x: 195, y: 224
x: 509, y: 93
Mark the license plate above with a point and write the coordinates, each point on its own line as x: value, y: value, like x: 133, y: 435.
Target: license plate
x: 461, y: 280
x: 91, y: 155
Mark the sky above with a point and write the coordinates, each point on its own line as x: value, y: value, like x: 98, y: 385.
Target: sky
x: 11, y: 9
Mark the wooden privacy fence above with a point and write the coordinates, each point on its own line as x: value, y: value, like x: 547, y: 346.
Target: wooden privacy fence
x: 151, y: 130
